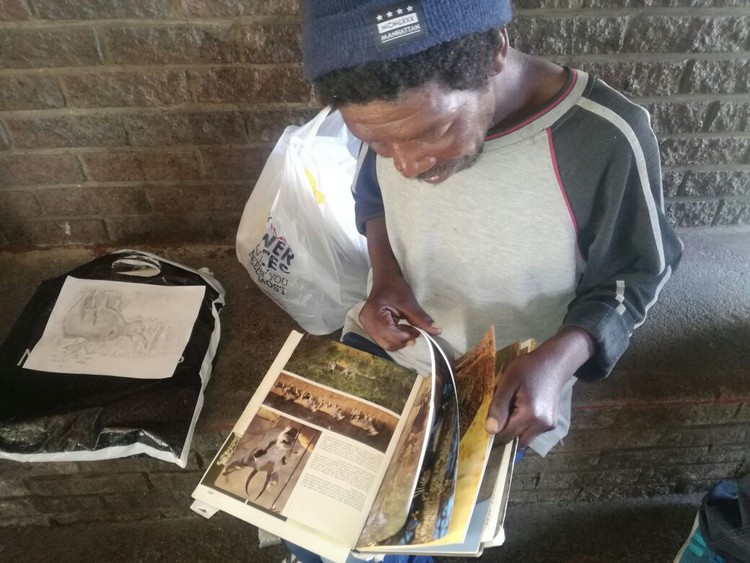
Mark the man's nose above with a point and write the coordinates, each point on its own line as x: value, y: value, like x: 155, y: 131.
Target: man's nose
x: 411, y: 163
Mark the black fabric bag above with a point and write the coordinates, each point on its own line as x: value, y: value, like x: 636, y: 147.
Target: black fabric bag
x: 725, y: 519
x: 53, y: 416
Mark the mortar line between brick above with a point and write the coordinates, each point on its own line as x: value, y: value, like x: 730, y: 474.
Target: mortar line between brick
x: 708, y: 167
x: 718, y: 213
x: 562, y: 13
x: 222, y: 215
x: 663, y: 403
x: 571, y: 58
x: 649, y: 57
x: 250, y: 107
x: 198, y: 182
x: 201, y: 165
x: 152, y: 110
x: 704, y: 97
x: 126, y: 67
x: 701, y: 135
x: 108, y: 230
x: 63, y: 90
x: 35, y: 189
x: 554, y: 13
x: 102, y: 45
x: 98, y: 45
x: 9, y: 135
x: 140, y: 148
x: 178, y: 8
x: 708, y: 199
x: 4, y: 155
x: 84, y: 168
x: 218, y: 21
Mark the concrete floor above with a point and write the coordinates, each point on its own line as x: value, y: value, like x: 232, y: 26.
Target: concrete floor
x: 638, y: 531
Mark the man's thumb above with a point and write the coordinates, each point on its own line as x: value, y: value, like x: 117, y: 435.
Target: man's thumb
x: 497, y: 417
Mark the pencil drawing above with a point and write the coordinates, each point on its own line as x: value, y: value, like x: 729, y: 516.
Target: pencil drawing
x: 123, y: 329
x: 97, y: 317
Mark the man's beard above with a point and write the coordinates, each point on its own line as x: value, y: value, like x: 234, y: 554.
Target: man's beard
x: 450, y: 167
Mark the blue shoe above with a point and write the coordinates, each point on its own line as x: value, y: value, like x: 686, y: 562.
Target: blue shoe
x: 695, y: 550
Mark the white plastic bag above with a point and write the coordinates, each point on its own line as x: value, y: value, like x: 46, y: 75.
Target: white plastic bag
x: 297, y: 237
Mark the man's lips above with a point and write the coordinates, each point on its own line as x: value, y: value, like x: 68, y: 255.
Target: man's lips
x: 441, y: 172
x: 437, y: 174
x: 435, y: 179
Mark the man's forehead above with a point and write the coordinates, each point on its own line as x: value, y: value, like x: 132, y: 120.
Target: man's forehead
x: 415, y: 108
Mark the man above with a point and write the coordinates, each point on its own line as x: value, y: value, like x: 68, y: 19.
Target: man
x: 494, y: 188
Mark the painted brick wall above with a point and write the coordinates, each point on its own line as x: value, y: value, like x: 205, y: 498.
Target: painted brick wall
x: 132, y: 121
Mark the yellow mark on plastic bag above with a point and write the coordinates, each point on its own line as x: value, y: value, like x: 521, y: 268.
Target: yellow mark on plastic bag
x: 320, y: 197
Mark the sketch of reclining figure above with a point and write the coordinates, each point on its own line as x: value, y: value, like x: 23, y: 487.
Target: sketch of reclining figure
x: 96, y: 317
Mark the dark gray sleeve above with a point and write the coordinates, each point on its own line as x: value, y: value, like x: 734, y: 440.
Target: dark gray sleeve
x: 368, y: 201
x: 608, y: 161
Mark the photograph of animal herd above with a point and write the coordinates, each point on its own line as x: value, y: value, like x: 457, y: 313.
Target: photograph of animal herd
x: 353, y: 372
x: 324, y: 407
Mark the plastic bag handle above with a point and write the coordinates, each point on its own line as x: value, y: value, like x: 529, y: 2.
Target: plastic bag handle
x: 307, y: 134
x: 309, y: 130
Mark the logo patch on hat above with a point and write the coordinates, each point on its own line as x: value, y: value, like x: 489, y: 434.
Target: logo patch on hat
x: 397, y: 23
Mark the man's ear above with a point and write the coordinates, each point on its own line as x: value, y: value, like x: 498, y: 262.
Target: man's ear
x: 498, y: 57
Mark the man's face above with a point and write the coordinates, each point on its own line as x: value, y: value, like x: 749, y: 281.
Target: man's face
x: 430, y: 132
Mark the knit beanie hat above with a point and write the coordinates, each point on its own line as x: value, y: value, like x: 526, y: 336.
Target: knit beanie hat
x: 340, y: 34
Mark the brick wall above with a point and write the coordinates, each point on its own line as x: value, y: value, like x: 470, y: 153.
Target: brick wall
x: 132, y: 489
x: 140, y: 120
x: 131, y: 121
x: 641, y: 449
x: 688, y: 63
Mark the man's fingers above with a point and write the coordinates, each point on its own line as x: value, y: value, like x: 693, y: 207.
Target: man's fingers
x: 416, y: 316
x: 516, y: 425
x: 383, y: 325
x: 525, y: 425
x: 526, y: 438
x: 499, y: 412
x: 511, y: 429
x: 398, y: 336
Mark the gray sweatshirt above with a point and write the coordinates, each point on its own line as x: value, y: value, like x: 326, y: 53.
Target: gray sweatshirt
x: 559, y: 223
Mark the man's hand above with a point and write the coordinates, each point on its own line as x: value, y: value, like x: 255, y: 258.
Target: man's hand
x: 387, y: 304
x: 391, y: 299
x: 527, y: 395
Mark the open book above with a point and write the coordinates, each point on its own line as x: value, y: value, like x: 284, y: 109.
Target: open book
x: 339, y: 450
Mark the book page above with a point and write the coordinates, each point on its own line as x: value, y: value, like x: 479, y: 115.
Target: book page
x: 496, y: 485
x: 392, y: 504
x: 307, y: 445
x: 340, y: 482
x: 429, y: 516
x: 474, y: 385
x: 495, y: 489
x: 474, y: 388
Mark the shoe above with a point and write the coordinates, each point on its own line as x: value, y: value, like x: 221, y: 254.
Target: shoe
x: 695, y: 550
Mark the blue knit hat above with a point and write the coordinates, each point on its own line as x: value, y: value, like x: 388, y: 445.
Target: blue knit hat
x: 341, y: 34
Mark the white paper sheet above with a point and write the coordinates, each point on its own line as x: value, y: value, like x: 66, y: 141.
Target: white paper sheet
x: 120, y: 329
